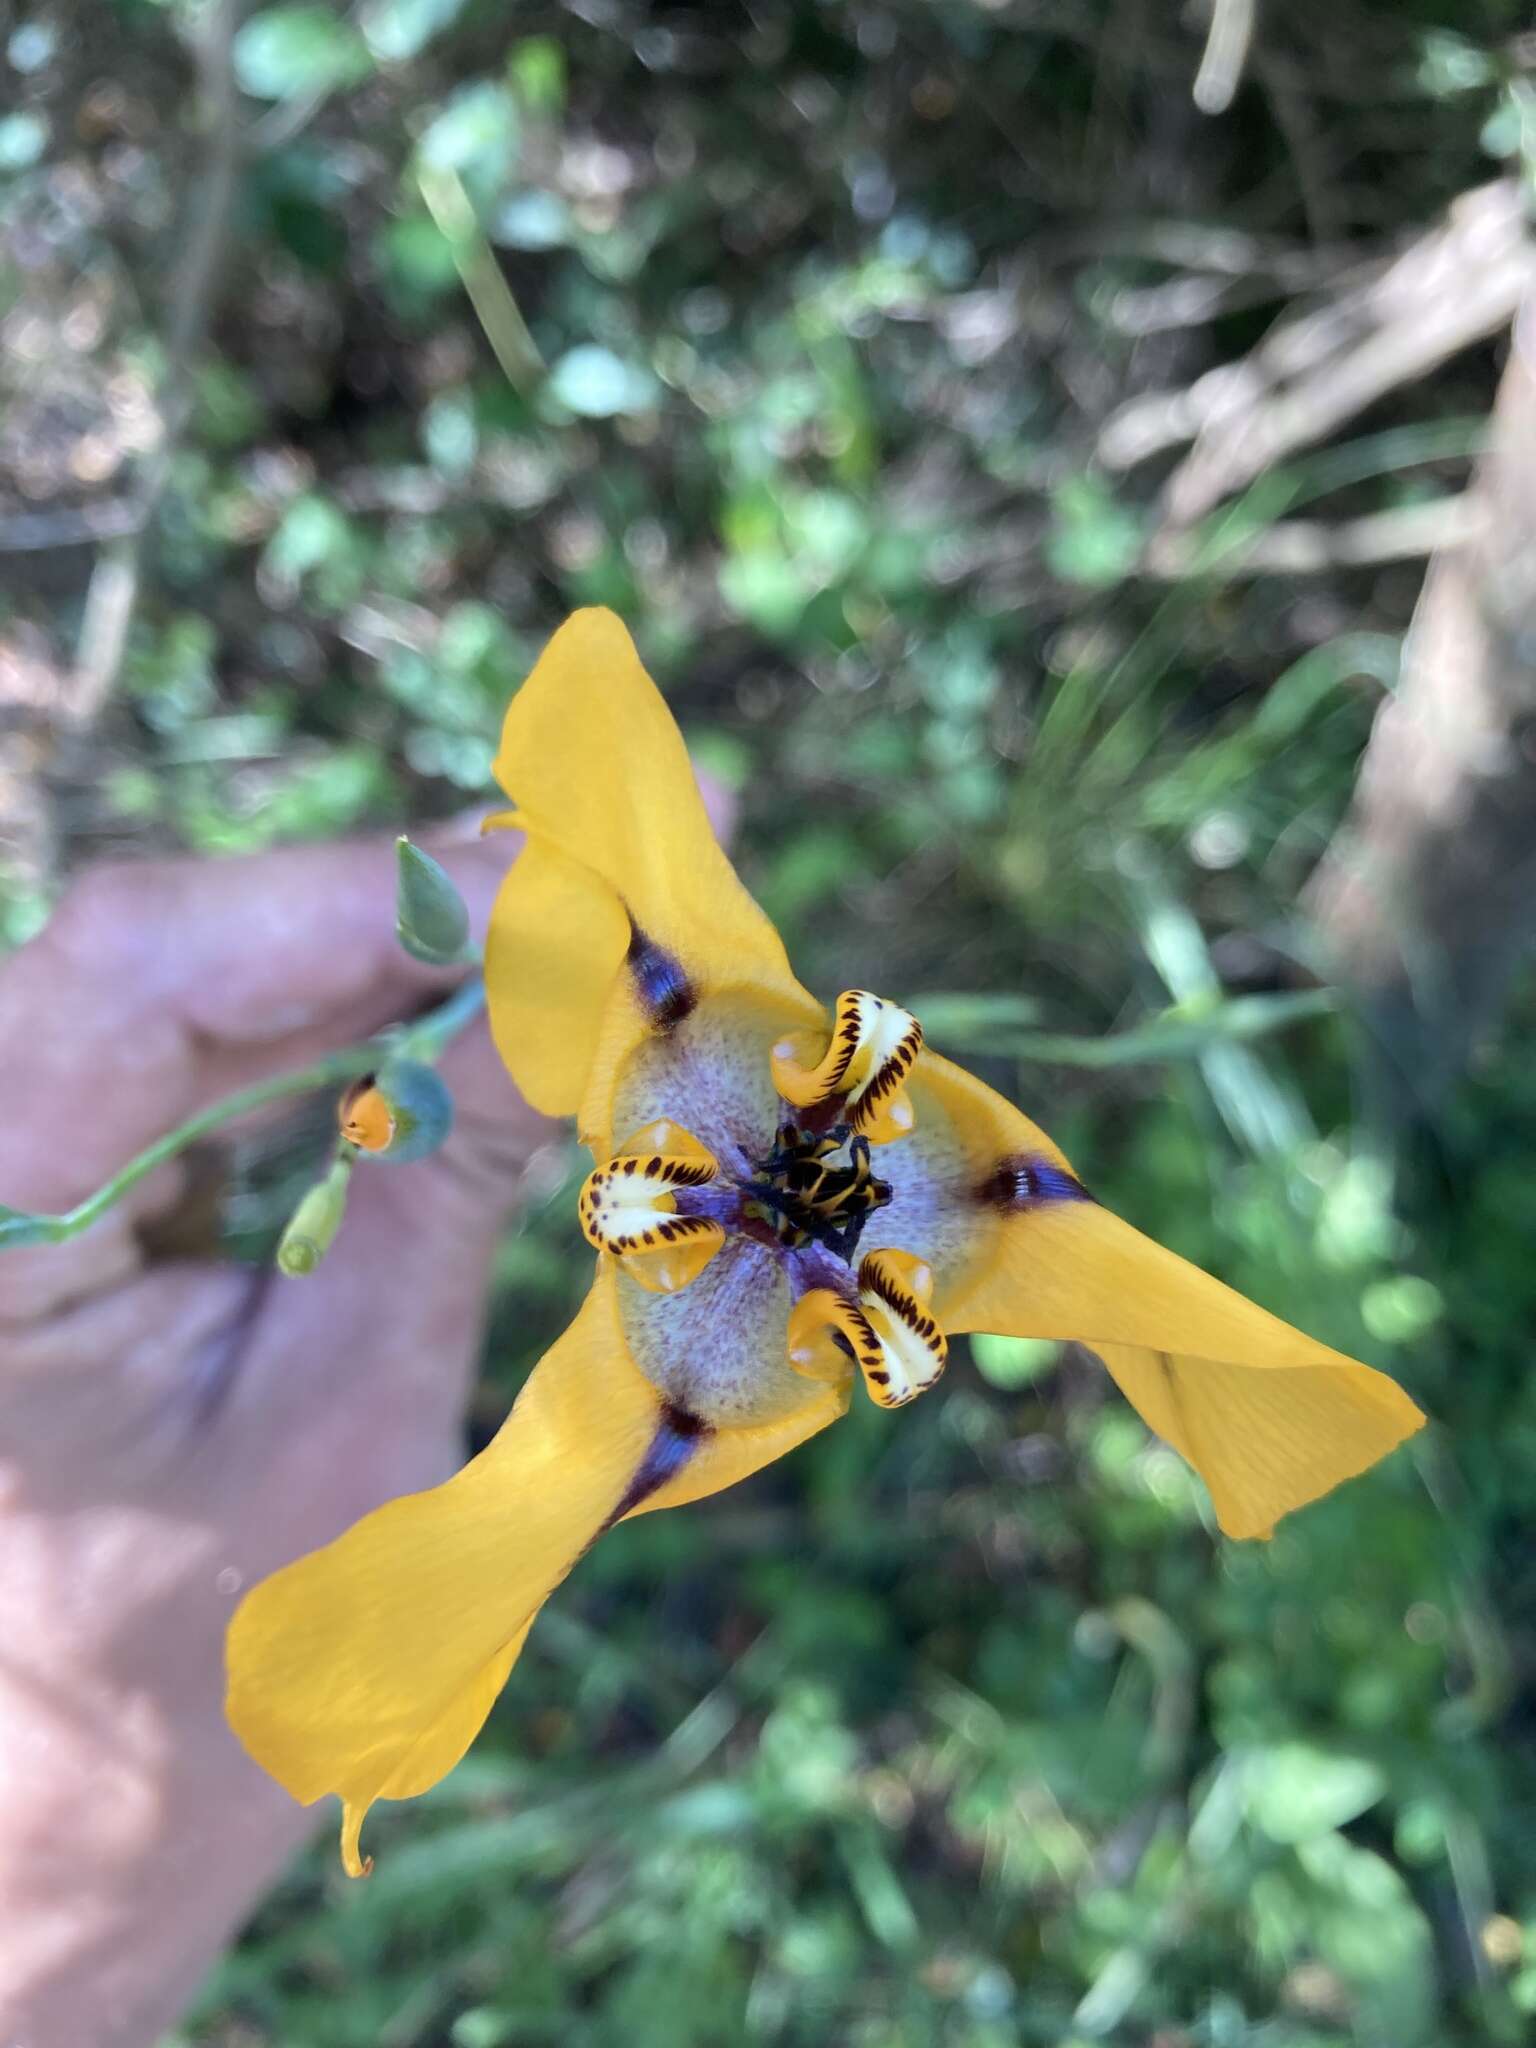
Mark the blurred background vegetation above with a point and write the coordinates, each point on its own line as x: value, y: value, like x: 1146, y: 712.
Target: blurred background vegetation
x: 848, y: 351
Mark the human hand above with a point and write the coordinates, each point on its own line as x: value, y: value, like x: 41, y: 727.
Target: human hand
x: 171, y: 1432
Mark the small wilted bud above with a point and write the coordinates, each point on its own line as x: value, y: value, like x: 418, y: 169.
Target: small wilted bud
x: 430, y: 919
x: 315, y: 1223
x: 402, y: 1112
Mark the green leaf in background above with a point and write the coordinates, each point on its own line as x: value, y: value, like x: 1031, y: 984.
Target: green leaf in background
x: 1401, y: 1308
x: 450, y: 433
x: 285, y: 51
x: 536, y: 68
x: 1450, y: 64
x: 397, y: 30
x: 1186, y: 1031
x: 596, y: 384
x: 972, y: 1021
x: 764, y: 587
x: 825, y: 529
x: 417, y: 257
x: 532, y: 220
x: 1294, y: 1791
x: 314, y: 535
x: 1510, y: 131
x: 1012, y: 1362
x: 1094, y: 538
x: 1368, y: 1928
x: 23, y: 138
x: 475, y: 136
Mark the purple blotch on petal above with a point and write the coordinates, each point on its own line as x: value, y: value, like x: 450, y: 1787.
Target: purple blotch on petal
x: 664, y: 990
x: 1023, y: 1183
x: 676, y: 1440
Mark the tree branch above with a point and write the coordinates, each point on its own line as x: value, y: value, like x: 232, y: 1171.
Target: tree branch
x: 1427, y: 897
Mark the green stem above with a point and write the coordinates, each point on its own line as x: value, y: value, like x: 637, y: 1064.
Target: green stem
x: 424, y: 1040
x: 481, y: 275
x: 429, y: 1036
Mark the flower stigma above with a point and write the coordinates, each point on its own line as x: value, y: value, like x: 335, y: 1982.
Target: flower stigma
x: 814, y: 1189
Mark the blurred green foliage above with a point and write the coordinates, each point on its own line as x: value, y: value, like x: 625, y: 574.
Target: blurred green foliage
x: 787, y: 331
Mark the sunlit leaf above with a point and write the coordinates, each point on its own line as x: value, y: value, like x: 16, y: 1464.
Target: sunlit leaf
x: 597, y: 384
x: 400, y: 29
x: 1295, y: 1791
x: 284, y: 51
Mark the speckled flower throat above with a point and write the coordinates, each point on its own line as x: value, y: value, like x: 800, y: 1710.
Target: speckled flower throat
x: 779, y: 1157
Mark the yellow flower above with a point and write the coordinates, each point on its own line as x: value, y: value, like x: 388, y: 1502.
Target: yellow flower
x: 784, y: 1202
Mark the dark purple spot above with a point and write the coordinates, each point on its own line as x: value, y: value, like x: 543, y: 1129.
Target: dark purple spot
x: 660, y: 983
x: 1026, y: 1183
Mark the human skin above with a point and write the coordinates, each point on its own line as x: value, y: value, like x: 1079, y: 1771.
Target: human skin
x: 136, y: 1834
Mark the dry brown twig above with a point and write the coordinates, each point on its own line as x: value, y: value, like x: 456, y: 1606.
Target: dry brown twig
x: 1427, y: 897
x: 1312, y: 547
x: 1226, y: 51
x: 113, y: 592
x: 1454, y: 285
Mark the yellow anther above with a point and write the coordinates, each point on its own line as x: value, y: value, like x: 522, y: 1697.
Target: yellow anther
x: 872, y: 1050
x: 629, y: 1208
x: 889, y: 1334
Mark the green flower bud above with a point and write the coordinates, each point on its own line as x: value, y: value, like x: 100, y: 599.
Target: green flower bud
x: 430, y: 919
x: 402, y: 1112
x: 315, y: 1222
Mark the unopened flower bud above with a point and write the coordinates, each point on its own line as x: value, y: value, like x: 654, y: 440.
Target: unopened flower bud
x: 402, y: 1112
x: 315, y: 1223
x: 430, y: 919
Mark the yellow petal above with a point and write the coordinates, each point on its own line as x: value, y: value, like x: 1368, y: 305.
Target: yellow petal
x: 1265, y: 1443
x: 1270, y: 1418
x: 367, y: 1668
x: 556, y: 943
x: 597, y: 767
x: 600, y: 776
